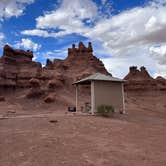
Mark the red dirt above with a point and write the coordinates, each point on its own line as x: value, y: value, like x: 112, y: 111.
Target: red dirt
x: 137, y: 138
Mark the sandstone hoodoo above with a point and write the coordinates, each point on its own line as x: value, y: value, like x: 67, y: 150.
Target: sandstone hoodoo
x: 80, y: 50
x: 140, y: 80
x: 49, y: 64
x: 136, y: 74
x: 79, y: 63
x: 81, y: 60
x: 17, y: 67
x: 11, y: 56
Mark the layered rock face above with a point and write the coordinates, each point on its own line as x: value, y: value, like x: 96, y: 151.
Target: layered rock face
x: 17, y: 67
x: 18, y: 70
x: 140, y: 80
x: 60, y: 74
x: 35, y: 90
x: 79, y: 63
x: 36, y: 87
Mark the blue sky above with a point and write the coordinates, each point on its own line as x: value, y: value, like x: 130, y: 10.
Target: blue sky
x: 123, y: 33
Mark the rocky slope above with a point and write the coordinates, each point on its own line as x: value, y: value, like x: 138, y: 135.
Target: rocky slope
x: 52, y: 83
x: 26, y: 85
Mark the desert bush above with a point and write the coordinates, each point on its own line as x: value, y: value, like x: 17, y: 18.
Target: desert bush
x: 105, y: 110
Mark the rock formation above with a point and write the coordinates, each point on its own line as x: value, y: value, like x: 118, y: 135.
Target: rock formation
x: 49, y: 98
x: 80, y: 50
x: 79, y: 63
x: 19, y: 71
x: 135, y: 74
x: 140, y: 80
x: 53, y: 83
x: 35, y: 90
x: 17, y: 67
x: 49, y: 64
x: 161, y: 83
x: 81, y: 60
x: 26, y: 85
x: 2, y: 98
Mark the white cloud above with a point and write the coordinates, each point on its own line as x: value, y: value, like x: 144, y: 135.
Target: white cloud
x: 103, y: 1
x: 35, y: 32
x: 159, y: 53
x: 119, y: 65
x: 11, y: 8
x: 127, y: 36
x: 129, y: 29
x: 58, y: 54
x: 2, y: 37
x: 160, y: 71
x: 43, y: 33
x: 28, y: 44
x: 157, y: 3
x: 67, y: 19
x: 133, y: 34
x: 69, y: 15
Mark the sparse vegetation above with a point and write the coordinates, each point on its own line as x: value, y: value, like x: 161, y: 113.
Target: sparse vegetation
x: 105, y: 110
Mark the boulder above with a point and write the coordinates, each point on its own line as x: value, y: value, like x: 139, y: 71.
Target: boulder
x: 53, y: 84
x: 2, y: 98
x: 34, y: 93
x: 35, y: 90
x: 34, y: 82
x: 49, y: 98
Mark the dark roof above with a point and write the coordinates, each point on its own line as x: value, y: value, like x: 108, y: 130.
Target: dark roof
x: 98, y: 77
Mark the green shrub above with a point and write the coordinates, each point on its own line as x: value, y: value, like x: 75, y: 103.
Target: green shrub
x: 105, y: 110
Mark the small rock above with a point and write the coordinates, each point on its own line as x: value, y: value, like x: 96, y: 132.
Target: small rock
x: 34, y: 93
x: 49, y: 99
x: 2, y: 98
x: 53, y: 121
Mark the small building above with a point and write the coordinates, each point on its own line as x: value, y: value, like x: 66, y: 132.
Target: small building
x: 104, y: 90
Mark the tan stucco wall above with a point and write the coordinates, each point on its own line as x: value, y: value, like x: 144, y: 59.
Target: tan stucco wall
x: 108, y: 93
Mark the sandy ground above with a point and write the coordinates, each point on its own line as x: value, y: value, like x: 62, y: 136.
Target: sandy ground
x: 31, y: 140
x: 138, y: 138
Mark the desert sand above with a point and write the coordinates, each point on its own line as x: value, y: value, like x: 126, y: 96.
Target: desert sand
x: 41, y: 137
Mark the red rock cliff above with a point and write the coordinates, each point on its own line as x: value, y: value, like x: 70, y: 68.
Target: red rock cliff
x: 140, y: 80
